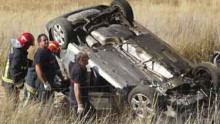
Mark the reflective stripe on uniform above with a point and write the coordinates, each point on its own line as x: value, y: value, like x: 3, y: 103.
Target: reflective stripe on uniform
x: 5, y: 75
x: 27, y: 99
x: 20, y: 84
x: 6, y: 68
x: 7, y: 80
x: 10, y: 81
x: 30, y: 89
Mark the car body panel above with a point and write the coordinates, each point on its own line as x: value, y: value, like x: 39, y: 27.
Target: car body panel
x: 113, y: 30
x: 119, y: 67
x: 51, y: 23
x: 126, y: 56
x: 163, y: 53
x: 102, y: 101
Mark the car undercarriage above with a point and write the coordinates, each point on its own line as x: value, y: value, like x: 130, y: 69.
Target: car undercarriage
x: 127, y: 59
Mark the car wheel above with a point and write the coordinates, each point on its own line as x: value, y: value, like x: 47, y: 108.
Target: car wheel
x: 125, y: 8
x: 207, y: 76
x: 142, y: 101
x: 62, y: 32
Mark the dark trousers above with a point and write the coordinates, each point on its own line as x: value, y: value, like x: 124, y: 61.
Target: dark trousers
x: 84, y: 97
x: 28, y: 97
x: 43, y: 95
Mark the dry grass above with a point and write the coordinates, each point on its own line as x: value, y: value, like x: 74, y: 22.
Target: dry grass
x: 192, y: 27
x: 54, y: 114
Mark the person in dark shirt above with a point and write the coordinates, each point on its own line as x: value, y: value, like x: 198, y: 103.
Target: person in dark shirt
x: 16, y: 65
x: 30, y: 93
x: 78, y: 77
x: 44, y: 66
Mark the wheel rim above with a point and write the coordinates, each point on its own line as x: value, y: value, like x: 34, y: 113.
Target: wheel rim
x: 141, y: 105
x: 58, y: 34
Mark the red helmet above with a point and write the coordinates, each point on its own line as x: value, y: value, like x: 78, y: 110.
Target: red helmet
x: 54, y: 46
x: 26, y: 39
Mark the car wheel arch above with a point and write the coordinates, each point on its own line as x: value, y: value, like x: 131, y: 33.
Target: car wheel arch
x: 212, y: 70
x: 64, y: 31
x: 148, y: 94
x: 125, y: 8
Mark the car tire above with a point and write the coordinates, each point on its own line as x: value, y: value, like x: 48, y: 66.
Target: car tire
x: 125, y: 8
x: 142, y: 100
x: 62, y: 32
x: 207, y: 72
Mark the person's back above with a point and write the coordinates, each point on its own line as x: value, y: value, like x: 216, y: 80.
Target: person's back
x: 16, y: 65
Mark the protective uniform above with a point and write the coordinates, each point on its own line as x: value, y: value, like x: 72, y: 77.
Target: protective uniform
x: 16, y: 65
x: 61, y: 83
x: 45, y: 58
x: 33, y: 87
x: 15, y: 68
x: 30, y: 91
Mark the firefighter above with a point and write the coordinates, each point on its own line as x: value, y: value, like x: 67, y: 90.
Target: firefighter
x: 61, y: 83
x: 15, y: 68
x: 54, y: 47
x: 30, y: 92
x: 44, y: 62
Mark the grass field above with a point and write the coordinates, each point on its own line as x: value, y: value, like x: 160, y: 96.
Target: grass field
x: 192, y: 27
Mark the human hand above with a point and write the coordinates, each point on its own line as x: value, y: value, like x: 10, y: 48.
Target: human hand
x: 80, y: 109
x: 47, y: 86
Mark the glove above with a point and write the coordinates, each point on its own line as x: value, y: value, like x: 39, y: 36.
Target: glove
x: 80, y: 109
x: 47, y: 86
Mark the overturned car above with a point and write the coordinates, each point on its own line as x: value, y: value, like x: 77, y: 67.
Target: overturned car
x: 128, y: 60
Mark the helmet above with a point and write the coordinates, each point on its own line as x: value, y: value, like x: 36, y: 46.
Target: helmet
x: 54, y: 46
x: 26, y: 39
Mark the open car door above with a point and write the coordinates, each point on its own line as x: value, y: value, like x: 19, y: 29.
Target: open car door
x: 101, y: 94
